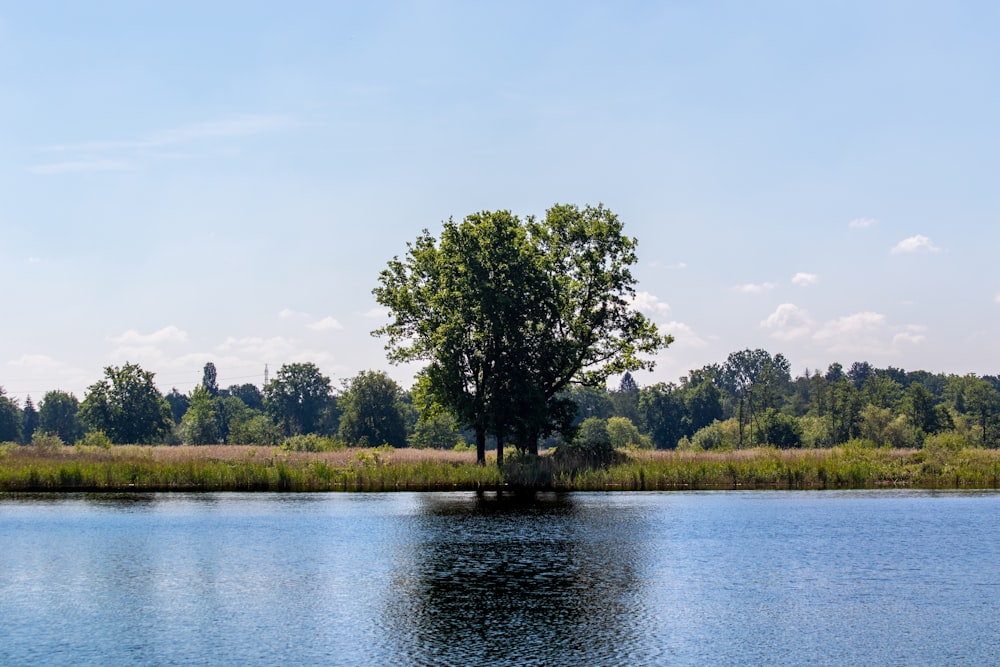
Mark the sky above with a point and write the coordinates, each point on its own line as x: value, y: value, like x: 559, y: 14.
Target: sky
x: 193, y: 182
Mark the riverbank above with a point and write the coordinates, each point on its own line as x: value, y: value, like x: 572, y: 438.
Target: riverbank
x: 239, y: 468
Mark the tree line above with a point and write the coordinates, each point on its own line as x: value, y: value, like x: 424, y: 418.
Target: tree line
x: 751, y: 399
x: 520, y: 323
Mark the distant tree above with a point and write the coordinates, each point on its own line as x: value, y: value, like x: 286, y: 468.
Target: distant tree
x: 882, y: 391
x: 982, y: 401
x: 199, y: 425
x: 589, y: 402
x: 127, y: 406
x: 29, y: 420
x: 663, y: 414
x: 209, y: 380
x: 843, y: 406
x: 859, y: 373
x: 249, y: 394
x: 437, y: 431
x: 755, y: 377
x: 298, y: 398
x: 10, y: 419
x: 257, y: 429
x: 918, y: 405
x: 179, y: 404
x: 372, y: 411
x: 703, y: 405
x: 58, y: 415
x: 625, y: 401
x: 835, y: 373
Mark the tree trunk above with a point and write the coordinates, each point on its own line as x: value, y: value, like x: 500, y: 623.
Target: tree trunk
x: 480, y: 445
x: 499, y: 450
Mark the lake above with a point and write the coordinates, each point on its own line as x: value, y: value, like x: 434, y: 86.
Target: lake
x: 769, y: 578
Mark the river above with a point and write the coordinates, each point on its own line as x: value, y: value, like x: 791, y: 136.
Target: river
x: 721, y: 578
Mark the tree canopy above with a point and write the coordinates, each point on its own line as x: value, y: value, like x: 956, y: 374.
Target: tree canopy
x: 127, y: 406
x: 299, y: 398
x: 509, y: 312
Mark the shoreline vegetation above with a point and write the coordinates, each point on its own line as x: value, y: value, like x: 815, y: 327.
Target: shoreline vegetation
x: 246, y: 468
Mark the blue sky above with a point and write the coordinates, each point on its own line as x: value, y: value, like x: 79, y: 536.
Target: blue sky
x: 189, y: 182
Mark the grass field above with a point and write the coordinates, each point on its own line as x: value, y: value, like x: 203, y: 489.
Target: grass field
x: 238, y: 468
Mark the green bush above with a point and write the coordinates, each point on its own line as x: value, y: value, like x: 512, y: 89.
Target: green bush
x: 311, y: 442
x: 96, y: 439
x: 46, y: 442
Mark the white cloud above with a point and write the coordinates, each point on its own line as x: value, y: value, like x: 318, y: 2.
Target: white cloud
x: 684, y: 335
x: 288, y: 314
x: 679, y: 266
x: 33, y: 361
x: 789, y: 322
x: 651, y: 305
x: 918, y: 243
x: 862, y: 223
x: 996, y: 299
x: 79, y: 166
x: 167, y: 334
x: 805, y: 279
x: 379, y: 312
x: 754, y: 288
x: 912, y: 336
x: 326, y: 324
x: 850, y: 325
x: 256, y: 347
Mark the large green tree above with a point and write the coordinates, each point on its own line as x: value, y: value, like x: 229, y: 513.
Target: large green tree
x: 299, y: 398
x: 372, y: 411
x: 127, y: 406
x: 58, y: 415
x: 509, y: 312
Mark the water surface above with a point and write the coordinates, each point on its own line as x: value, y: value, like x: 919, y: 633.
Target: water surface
x: 782, y: 578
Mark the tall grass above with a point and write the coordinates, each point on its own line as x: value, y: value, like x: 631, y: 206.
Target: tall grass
x: 216, y: 468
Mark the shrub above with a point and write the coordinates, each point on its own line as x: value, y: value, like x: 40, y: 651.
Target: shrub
x: 46, y: 442
x: 96, y: 439
x: 718, y: 436
x: 311, y: 442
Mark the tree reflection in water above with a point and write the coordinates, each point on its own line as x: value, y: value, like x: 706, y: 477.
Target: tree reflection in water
x: 521, y: 579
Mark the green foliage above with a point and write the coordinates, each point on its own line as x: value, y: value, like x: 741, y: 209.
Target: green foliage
x: 590, y: 448
x: 10, y: 419
x: 509, y: 312
x: 29, y: 420
x: 46, y: 442
x: 779, y: 430
x: 127, y: 406
x: 96, y: 439
x: 178, y: 403
x: 311, y: 442
x: 623, y: 433
x: 718, y: 436
x: 59, y: 415
x: 299, y: 398
x: 437, y: 431
x: 257, y: 429
x: 372, y: 411
x: 199, y: 426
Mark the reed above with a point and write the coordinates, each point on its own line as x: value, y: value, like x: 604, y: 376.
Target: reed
x: 238, y: 468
